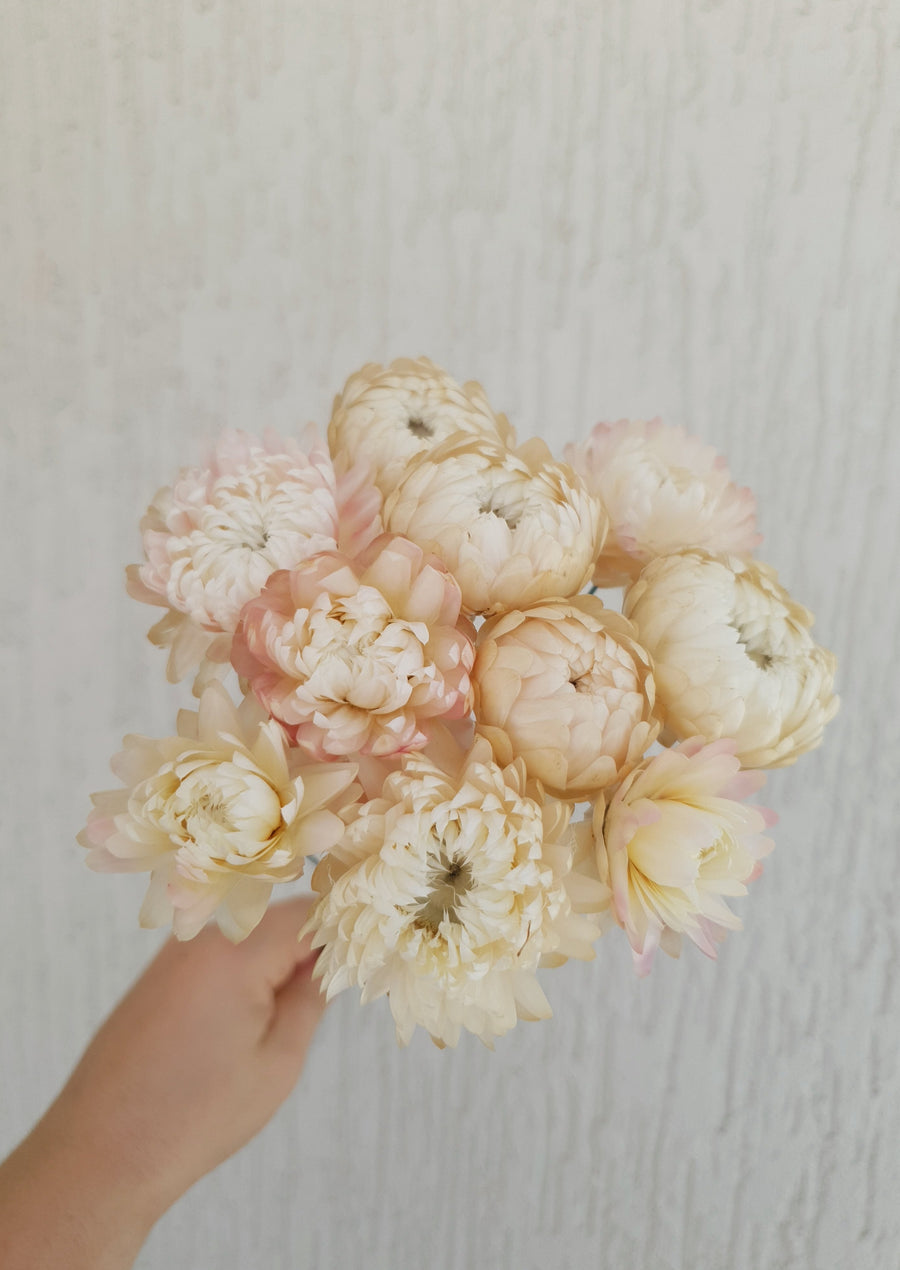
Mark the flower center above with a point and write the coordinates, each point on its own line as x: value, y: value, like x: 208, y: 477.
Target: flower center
x: 492, y: 503
x: 418, y: 427
x: 449, y: 879
x: 754, y: 644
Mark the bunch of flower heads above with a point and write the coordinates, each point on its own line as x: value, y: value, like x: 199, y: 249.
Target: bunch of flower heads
x: 433, y: 692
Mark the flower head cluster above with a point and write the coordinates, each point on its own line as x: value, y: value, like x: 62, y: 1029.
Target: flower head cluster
x: 355, y: 654
x: 448, y: 891
x: 428, y: 690
x: 663, y: 491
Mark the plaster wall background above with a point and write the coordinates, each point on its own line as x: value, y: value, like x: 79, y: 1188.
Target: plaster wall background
x: 211, y: 213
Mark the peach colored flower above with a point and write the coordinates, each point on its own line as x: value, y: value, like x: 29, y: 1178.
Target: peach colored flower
x: 355, y: 654
x: 387, y: 416
x: 513, y: 526
x: 733, y: 656
x: 213, y: 537
x: 217, y: 815
x: 664, y: 491
x: 448, y: 892
x: 675, y: 841
x: 565, y: 685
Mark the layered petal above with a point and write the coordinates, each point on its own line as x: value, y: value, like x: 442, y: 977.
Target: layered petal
x: 733, y: 656
x: 217, y: 815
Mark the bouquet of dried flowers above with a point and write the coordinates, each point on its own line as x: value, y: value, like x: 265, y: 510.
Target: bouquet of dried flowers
x: 487, y: 765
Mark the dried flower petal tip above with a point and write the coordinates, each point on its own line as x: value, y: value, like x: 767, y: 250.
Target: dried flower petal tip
x: 217, y: 815
x: 664, y: 491
x: 386, y: 416
x: 448, y: 892
x: 513, y: 526
x: 355, y: 654
x: 213, y: 537
x: 675, y: 841
x: 733, y: 656
x: 565, y: 686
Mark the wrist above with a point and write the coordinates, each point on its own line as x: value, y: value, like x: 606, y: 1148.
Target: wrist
x: 69, y: 1196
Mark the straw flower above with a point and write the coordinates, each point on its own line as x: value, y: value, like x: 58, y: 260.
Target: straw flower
x: 355, y: 654
x: 387, y: 416
x: 448, y: 892
x: 675, y: 841
x: 733, y: 656
x: 565, y: 685
x: 217, y: 815
x: 513, y: 526
x: 664, y: 491
x: 213, y: 537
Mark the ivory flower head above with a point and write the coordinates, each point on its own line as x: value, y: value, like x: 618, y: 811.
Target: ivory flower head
x: 733, y: 656
x: 513, y: 526
x: 565, y: 686
x: 217, y: 815
x: 387, y: 416
x: 448, y: 891
x: 213, y: 537
x: 355, y: 654
x: 675, y: 841
x: 664, y: 491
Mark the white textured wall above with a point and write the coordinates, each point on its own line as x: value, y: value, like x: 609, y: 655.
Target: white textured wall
x: 209, y: 214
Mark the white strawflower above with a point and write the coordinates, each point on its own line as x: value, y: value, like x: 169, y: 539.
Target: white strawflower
x: 448, y: 892
x: 733, y: 656
x: 675, y: 841
x: 565, y: 685
x: 512, y: 526
x: 217, y: 815
x: 213, y: 537
x: 664, y: 491
x: 386, y: 416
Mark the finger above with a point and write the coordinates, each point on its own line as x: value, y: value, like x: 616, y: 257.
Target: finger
x: 274, y: 950
x: 299, y: 1006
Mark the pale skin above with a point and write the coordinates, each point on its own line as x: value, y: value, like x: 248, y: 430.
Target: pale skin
x: 192, y: 1063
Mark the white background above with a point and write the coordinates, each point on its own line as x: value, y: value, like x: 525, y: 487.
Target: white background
x: 210, y: 214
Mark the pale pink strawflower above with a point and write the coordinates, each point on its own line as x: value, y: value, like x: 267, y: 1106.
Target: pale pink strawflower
x: 355, y: 655
x: 513, y: 526
x: 733, y: 656
x: 388, y: 415
x: 217, y: 814
x: 214, y: 536
x: 449, y: 891
x: 664, y: 491
x: 566, y: 686
x: 675, y: 841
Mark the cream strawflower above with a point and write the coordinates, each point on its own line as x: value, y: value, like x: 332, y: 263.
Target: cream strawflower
x: 674, y: 842
x: 213, y: 537
x: 664, y: 491
x: 513, y: 526
x: 733, y: 656
x: 355, y: 654
x: 386, y: 416
x: 217, y: 815
x: 448, y: 892
x: 565, y: 685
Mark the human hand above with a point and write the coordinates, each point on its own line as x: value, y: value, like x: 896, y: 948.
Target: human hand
x: 192, y: 1063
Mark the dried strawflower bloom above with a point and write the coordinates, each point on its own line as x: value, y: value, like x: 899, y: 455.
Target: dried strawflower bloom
x: 213, y: 537
x: 675, y: 841
x: 355, y: 654
x: 217, y: 815
x: 448, y: 892
x: 387, y: 416
x: 733, y: 656
x: 664, y: 491
x: 513, y: 526
x: 564, y: 685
